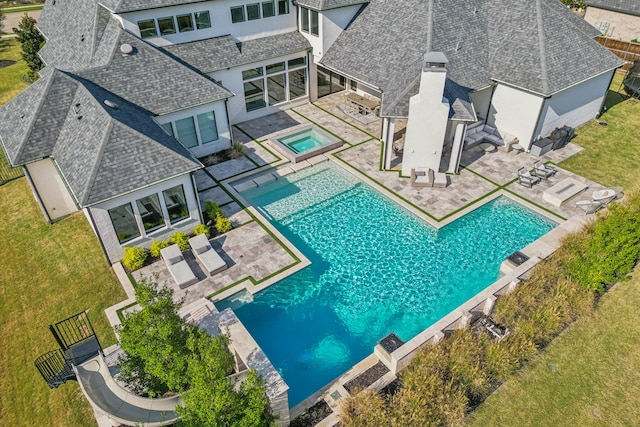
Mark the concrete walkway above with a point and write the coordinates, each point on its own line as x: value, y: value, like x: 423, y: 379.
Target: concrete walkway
x: 13, y: 19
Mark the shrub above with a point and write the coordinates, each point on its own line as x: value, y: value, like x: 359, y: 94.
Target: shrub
x: 202, y: 229
x: 223, y: 224
x: 180, y: 239
x: 212, y: 210
x: 237, y: 149
x: 155, y: 247
x: 134, y: 257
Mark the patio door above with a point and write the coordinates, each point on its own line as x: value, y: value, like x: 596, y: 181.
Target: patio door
x: 329, y: 82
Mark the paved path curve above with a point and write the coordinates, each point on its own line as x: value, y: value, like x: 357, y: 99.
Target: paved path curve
x: 13, y: 19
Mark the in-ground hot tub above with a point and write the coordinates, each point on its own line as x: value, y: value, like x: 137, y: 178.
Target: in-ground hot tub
x: 305, y: 143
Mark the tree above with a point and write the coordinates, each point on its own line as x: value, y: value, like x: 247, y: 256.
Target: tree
x: 31, y: 40
x: 2, y: 18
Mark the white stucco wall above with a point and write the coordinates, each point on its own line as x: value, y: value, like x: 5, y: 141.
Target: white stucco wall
x: 481, y: 102
x: 621, y: 26
x: 222, y: 123
x: 515, y: 112
x: 427, y: 124
x: 51, y: 189
x: 107, y: 234
x: 232, y: 80
x: 333, y: 23
x: 573, y: 106
x: 220, y: 13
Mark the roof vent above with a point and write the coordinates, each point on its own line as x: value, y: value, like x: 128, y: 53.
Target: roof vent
x: 82, y: 38
x: 111, y: 104
x: 126, y: 49
x: 76, y: 110
x: 475, y: 10
x: 53, y: 2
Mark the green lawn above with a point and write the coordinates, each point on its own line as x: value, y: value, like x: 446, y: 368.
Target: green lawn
x: 11, y: 82
x: 611, y: 154
x: 590, y: 376
x: 48, y: 272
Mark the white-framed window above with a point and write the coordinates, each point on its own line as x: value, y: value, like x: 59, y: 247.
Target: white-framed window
x: 194, y: 131
x: 268, y: 9
x: 275, y: 83
x: 149, y: 214
x: 309, y: 21
x: 169, y: 25
x: 283, y: 7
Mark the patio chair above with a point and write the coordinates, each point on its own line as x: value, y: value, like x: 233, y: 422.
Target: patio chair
x: 208, y: 257
x: 589, y: 206
x: 543, y: 171
x: 525, y: 178
x: 604, y: 196
x: 177, y: 266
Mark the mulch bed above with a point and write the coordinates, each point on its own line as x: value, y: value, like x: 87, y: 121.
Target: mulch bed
x: 6, y: 62
x: 219, y: 157
x: 367, y: 378
x: 313, y: 415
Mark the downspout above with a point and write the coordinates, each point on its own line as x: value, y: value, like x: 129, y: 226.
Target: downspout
x: 193, y: 183
x: 95, y: 227
x: 226, y: 110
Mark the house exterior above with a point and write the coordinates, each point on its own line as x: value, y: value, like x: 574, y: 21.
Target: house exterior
x: 133, y: 92
x: 618, y: 19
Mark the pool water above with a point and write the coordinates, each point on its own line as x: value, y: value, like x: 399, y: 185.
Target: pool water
x: 376, y: 268
x: 306, y: 140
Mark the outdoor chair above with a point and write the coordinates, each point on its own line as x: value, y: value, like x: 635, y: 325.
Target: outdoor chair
x: 543, y: 171
x: 208, y: 257
x: 604, y: 196
x: 525, y: 178
x: 589, y: 206
x: 178, y: 266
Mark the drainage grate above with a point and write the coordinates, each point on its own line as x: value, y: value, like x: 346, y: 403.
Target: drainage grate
x: 391, y: 343
x: 518, y: 258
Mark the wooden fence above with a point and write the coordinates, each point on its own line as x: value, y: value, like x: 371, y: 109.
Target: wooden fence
x: 7, y: 173
x: 625, y: 50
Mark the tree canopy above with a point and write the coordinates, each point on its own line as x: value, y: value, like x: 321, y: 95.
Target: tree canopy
x: 31, y: 40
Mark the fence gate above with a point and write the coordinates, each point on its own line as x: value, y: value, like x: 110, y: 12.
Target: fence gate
x: 78, y: 342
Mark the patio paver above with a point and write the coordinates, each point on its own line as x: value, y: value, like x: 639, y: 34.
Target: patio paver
x: 236, y: 214
x: 230, y: 168
x: 216, y: 194
x: 336, y: 126
x: 248, y: 251
x: 259, y: 154
x: 203, y: 180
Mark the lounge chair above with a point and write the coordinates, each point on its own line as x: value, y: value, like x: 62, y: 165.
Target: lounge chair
x: 208, y: 257
x: 589, y: 206
x: 604, y: 196
x: 178, y: 266
x: 525, y: 178
x: 543, y: 171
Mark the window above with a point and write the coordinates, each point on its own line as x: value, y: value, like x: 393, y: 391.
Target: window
x: 147, y: 28
x: 150, y: 212
x: 166, y: 25
x: 253, y: 11
x: 314, y: 23
x: 167, y: 128
x: 176, y: 205
x: 329, y: 82
x: 237, y: 14
x: 283, y: 7
x: 284, y: 82
x: 184, y: 23
x: 304, y: 19
x: 254, y: 94
x: 297, y: 83
x: 203, y: 20
x: 268, y: 9
x: 187, y: 132
x: 207, y: 127
x: 124, y: 223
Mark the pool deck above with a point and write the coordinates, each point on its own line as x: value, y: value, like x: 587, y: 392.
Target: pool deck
x: 258, y: 256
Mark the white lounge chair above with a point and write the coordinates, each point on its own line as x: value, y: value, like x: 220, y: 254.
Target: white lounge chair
x: 525, y: 178
x: 208, y: 257
x: 178, y: 266
x: 589, y: 206
x: 604, y: 196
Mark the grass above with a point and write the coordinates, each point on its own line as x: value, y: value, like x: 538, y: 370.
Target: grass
x: 49, y: 272
x: 12, y: 9
x: 11, y: 82
x: 611, y: 154
x: 589, y: 376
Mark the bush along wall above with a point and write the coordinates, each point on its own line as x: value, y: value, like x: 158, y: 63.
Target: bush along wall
x: 447, y: 380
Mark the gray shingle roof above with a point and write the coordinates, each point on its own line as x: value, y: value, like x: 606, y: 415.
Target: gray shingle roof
x: 631, y: 7
x: 120, y: 6
x: 153, y: 80
x: 105, y: 153
x: 223, y: 52
x: 542, y: 50
x: 329, y: 4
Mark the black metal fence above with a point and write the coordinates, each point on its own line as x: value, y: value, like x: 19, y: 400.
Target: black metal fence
x: 7, y: 173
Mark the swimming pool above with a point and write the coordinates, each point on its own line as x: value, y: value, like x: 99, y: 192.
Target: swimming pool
x: 376, y: 268
x: 306, y: 143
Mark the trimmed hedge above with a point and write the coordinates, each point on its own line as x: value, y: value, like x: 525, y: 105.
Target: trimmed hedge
x: 447, y: 380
